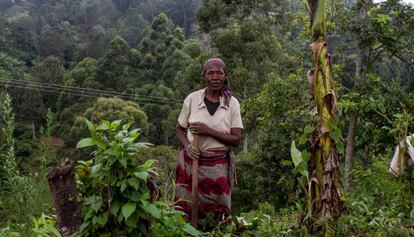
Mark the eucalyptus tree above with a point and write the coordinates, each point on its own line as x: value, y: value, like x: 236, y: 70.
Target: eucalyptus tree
x: 161, y: 51
x: 113, y: 70
x: 244, y: 34
x: 381, y: 33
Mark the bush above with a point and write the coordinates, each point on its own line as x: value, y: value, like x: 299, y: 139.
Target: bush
x: 166, y: 158
x: 117, y: 190
x: 380, y: 204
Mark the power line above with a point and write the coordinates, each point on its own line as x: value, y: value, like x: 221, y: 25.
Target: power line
x: 80, y: 93
x: 87, y: 90
x: 144, y: 101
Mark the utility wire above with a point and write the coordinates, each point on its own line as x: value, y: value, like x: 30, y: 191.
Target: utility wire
x: 145, y: 101
x: 87, y: 90
x: 77, y: 92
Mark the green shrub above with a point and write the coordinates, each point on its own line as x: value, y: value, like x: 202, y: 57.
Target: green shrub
x: 166, y: 158
x: 380, y: 204
x: 117, y: 191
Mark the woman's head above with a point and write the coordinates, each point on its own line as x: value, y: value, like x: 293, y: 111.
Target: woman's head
x: 214, y: 73
x: 214, y: 61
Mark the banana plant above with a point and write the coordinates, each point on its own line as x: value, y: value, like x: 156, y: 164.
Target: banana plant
x: 325, y: 141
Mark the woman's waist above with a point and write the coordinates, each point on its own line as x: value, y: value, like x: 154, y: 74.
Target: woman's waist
x: 215, y: 153
x: 208, y: 144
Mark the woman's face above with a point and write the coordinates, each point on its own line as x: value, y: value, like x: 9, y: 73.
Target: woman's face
x: 215, y: 77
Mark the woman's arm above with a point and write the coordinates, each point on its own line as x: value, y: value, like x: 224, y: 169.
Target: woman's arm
x: 181, y: 135
x: 180, y: 132
x: 232, y: 139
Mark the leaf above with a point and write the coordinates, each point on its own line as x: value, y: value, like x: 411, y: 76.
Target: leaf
x: 336, y: 135
x: 295, y: 154
x: 95, y: 169
x: 332, y: 123
x: 128, y: 209
x: 133, y: 182
x: 100, y: 143
x: 106, y: 123
x: 123, y: 162
x: 303, y: 139
x: 143, y: 145
x: 142, y: 175
x: 115, y: 205
x: 90, y: 126
x: 115, y: 124
x: 134, y: 134
x: 102, y: 127
x: 381, y: 107
x: 148, y: 164
x: 340, y: 147
x: 96, y: 205
x: 85, y: 142
x: 103, y: 219
x: 123, y: 185
x: 305, y: 155
x: 117, y: 150
x: 286, y: 162
x: 153, y: 210
x: 126, y: 126
x: 132, y: 221
x: 308, y: 129
x: 189, y: 229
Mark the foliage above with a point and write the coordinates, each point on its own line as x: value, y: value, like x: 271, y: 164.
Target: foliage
x: 263, y: 221
x: 243, y: 33
x: 43, y: 226
x: 109, y: 109
x: 380, y: 205
x: 166, y: 106
x: 8, y: 158
x: 117, y: 194
x: 166, y: 158
x: 153, y: 52
x: 276, y: 119
x: 21, y: 197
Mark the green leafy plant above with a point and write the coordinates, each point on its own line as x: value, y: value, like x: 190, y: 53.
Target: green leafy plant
x: 44, y: 226
x: 118, y: 191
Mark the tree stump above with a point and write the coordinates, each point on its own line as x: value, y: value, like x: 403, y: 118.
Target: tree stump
x: 63, y: 187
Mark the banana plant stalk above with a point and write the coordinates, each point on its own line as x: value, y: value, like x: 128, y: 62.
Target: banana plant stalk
x: 324, y: 161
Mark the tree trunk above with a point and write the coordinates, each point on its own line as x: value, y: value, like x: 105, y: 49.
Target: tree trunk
x: 350, y: 150
x: 359, y: 69
x: 245, y: 142
x: 63, y: 186
x: 33, y: 131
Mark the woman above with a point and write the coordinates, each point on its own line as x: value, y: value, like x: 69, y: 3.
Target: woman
x: 212, y: 114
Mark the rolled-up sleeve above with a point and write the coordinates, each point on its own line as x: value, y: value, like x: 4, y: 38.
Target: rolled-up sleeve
x: 236, y: 121
x: 185, y: 113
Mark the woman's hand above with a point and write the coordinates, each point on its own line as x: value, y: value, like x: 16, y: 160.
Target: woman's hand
x: 199, y: 129
x: 192, y: 152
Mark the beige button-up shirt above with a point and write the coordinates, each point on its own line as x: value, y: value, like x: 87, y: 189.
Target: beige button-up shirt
x: 223, y: 120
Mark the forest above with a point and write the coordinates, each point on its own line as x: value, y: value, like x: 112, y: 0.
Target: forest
x: 326, y: 89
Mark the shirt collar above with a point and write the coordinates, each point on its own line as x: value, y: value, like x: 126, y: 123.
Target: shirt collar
x: 201, y: 103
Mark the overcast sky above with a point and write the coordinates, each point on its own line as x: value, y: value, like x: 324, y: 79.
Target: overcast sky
x: 406, y: 1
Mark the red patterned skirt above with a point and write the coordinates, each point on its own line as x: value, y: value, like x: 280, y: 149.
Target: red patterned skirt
x: 216, y: 177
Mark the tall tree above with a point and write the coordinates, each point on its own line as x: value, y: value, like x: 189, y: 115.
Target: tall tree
x: 381, y: 34
x: 243, y: 33
x: 161, y: 49
x: 49, y: 71
x: 112, y: 71
x: 158, y: 104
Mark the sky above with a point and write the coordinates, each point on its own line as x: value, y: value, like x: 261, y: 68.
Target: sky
x: 405, y: 1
